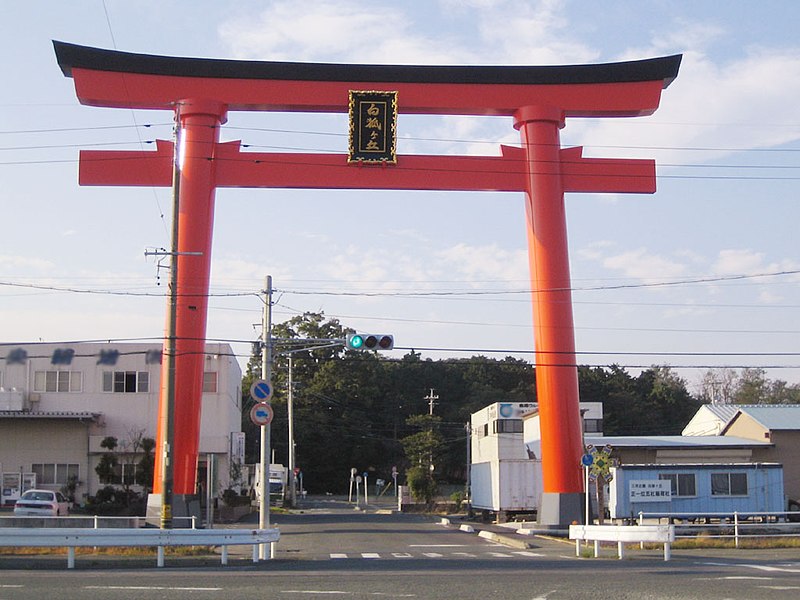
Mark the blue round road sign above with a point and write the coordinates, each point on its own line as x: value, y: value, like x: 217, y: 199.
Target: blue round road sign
x: 261, y: 414
x: 587, y: 460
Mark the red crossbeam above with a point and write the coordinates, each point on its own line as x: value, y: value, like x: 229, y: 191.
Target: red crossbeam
x: 235, y: 168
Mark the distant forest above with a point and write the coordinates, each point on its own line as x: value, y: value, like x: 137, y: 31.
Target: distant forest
x: 352, y: 408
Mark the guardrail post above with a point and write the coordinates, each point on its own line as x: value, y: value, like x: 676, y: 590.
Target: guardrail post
x: 160, y: 562
x: 224, y: 555
x: 71, y: 557
x: 641, y: 522
x: 736, y: 528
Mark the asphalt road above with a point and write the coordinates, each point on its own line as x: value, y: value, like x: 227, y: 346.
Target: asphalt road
x: 329, y: 549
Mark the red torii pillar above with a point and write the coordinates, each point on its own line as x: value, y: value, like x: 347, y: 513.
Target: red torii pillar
x: 202, y: 91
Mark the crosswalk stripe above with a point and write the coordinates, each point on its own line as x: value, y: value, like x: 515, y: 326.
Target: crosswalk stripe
x: 376, y: 555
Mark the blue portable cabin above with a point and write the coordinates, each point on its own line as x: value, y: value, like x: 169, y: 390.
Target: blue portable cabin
x: 696, y: 490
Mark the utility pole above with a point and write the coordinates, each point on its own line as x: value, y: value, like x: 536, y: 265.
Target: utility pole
x: 431, y: 398
x: 467, y: 485
x: 168, y: 406
x: 290, y: 408
x: 266, y: 375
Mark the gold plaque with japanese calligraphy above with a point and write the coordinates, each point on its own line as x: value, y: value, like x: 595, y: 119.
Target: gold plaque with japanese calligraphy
x: 373, y: 136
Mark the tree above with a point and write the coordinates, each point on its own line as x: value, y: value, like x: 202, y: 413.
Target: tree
x: 718, y: 386
x: 106, y: 469
x: 422, y: 450
x: 751, y: 386
x: 145, y: 468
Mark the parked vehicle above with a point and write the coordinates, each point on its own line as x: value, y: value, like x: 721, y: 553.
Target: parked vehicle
x: 42, y: 503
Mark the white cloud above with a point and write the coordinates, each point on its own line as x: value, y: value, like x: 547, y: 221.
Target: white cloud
x: 343, y: 31
x: 639, y: 264
x: 330, y: 31
x: 739, y: 262
x: 24, y: 263
x: 479, y: 263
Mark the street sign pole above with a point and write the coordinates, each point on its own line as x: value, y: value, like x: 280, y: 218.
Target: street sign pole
x: 266, y: 375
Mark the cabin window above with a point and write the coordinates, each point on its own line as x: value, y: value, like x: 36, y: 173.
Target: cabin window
x: 507, y: 426
x: 729, y: 484
x: 682, y: 484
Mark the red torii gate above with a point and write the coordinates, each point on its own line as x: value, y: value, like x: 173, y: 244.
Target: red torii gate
x: 202, y: 91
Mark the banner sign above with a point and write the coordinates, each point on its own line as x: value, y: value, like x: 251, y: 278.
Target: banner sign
x: 373, y: 135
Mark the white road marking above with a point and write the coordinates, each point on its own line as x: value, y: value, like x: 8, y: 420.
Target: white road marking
x: 780, y: 587
x: 433, y: 554
x: 402, y: 555
x: 768, y: 568
x: 346, y: 593
x: 749, y: 577
x: 499, y: 554
x: 527, y: 553
x: 370, y: 555
x: 337, y: 555
x: 152, y: 587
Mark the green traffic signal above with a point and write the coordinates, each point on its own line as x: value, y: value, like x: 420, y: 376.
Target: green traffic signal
x: 355, y: 341
x: 369, y: 341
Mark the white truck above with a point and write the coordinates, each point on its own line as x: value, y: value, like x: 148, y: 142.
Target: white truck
x: 504, y: 480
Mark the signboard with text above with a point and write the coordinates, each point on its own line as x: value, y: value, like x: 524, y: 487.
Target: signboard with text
x: 373, y: 135
x: 650, y: 490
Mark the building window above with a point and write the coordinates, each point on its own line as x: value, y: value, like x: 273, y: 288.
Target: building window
x: 57, y: 381
x: 729, y: 484
x: 210, y: 382
x: 126, y: 381
x: 682, y: 484
x: 507, y: 426
x: 54, y: 474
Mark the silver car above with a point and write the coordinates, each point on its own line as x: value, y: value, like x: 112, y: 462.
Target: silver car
x: 42, y: 503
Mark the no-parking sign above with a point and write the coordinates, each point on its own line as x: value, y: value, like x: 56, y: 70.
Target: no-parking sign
x: 260, y: 391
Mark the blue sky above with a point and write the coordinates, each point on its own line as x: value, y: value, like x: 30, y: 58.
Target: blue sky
x: 726, y: 140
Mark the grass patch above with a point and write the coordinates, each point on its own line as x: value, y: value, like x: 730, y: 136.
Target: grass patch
x: 754, y: 543
x: 112, y: 551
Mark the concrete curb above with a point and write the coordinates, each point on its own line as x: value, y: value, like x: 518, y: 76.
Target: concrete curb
x: 498, y: 538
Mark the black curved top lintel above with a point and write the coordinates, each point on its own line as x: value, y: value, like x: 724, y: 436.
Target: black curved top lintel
x: 72, y: 56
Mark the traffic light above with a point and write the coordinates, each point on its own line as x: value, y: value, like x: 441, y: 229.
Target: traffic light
x: 369, y: 341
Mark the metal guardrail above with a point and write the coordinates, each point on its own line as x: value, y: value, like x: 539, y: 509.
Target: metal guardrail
x: 621, y: 534
x: 93, y: 521
x: 72, y: 538
x: 736, y: 525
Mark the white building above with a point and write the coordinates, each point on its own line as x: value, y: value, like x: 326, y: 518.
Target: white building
x: 59, y: 401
